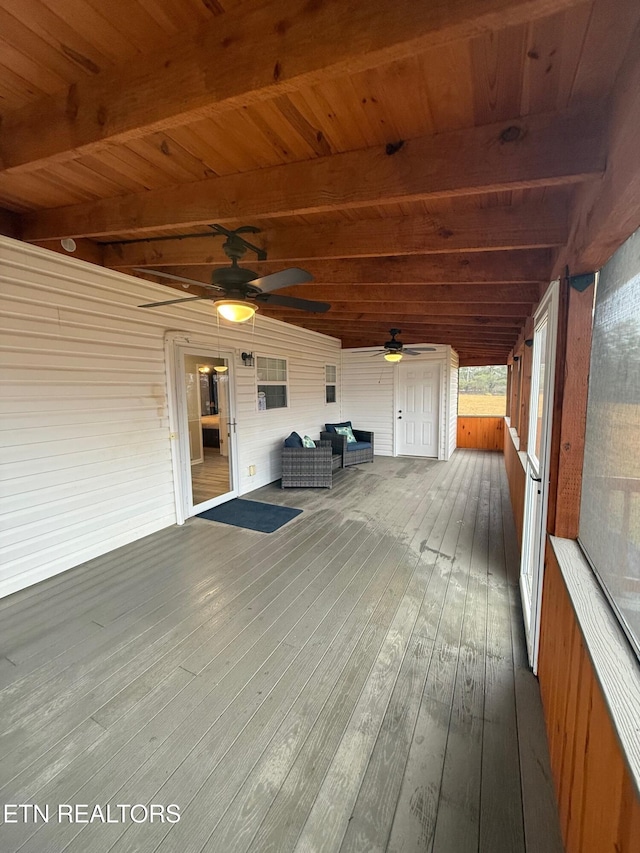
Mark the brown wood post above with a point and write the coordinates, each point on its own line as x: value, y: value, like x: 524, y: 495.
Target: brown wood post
x: 525, y: 385
x: 575, y: 319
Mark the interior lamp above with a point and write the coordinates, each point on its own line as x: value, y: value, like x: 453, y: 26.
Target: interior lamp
x: 220, y: 368
x: 393, y: 356
x: 235, y: 310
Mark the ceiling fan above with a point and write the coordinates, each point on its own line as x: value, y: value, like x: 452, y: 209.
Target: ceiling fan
x: 394, y: 350
x: 235, y: 290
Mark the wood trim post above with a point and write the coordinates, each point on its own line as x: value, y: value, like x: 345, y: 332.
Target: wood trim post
x: 575, y: 320
x: 525, y: 385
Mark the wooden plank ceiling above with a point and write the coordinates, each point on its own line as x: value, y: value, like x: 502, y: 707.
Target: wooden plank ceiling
x: 421, y: 160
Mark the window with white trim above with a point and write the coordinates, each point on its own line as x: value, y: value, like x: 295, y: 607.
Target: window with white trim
x: 272, y: 383
x: 330, y: 383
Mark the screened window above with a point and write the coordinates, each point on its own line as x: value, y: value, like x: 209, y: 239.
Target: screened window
x: 610, y: 508
x: 272, y: 383
x: 482, y: 391
x: 330, y: 379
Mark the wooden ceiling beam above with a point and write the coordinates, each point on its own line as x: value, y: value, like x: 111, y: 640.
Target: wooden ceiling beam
x: 370, y: 338
x: 243, y: 57
x: 535, y: 151
x: 85, y: 250
x: 9, y: 224
x: 353, y: 310
x: 368, y: 295
x: 606, y: 214
x: 430, y: 334
x: 469, y: 327
x: 488, y: 356
x: 407, y: 323
x: 474, y: 361
x: 457, y: 268
x: 527, y: 226
x: 481, y: 350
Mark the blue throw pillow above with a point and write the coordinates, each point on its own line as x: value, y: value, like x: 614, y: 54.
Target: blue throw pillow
x: 346, y: 430
x: 332, y: 427
x: 308, y: 442
x: 293, y: 440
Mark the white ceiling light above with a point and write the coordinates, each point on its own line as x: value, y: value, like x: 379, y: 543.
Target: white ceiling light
x: 235, y: 310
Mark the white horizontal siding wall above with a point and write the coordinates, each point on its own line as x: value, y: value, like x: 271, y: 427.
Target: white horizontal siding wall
x: 260, y: 434
x: 86, y: 457
x: 369, y: 394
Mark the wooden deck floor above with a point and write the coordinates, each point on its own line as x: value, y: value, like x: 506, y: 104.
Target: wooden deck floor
x: 353, y: 682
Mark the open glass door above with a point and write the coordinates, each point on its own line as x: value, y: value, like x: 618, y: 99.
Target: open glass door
x: 537, y: 468
x: 207, y: 429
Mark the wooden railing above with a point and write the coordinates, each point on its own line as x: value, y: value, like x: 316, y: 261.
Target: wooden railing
x: 481, y: 433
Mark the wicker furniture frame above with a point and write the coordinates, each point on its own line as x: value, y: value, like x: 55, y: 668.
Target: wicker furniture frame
x: 350, y: 457
x: 309, y: 466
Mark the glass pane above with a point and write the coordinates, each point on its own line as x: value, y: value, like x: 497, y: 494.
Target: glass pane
x: 208, y: 415
x: 274, y: 396
x: 331, y: 394
x: 330, y: 374
x: 262, y: 368
x: 610, y: 507
x: 540, y: 341
x: 271, y: 369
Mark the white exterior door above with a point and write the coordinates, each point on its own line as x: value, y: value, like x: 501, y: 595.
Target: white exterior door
x: 418, y: 409
x: 537, y: 468
x: 205, y: 471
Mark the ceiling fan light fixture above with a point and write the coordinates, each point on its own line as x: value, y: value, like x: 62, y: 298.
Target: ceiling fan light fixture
x: 393, y: 356
x: 235, y: 310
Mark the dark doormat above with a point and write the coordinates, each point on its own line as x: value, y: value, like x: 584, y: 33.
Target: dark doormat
x: 252, y: 515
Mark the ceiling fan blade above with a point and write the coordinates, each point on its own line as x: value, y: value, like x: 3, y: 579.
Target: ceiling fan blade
x: 417, y: 350
x: 173, y: 301
x: 376, y: 354
x: 292, y: 302
x: 173, y: 277
x: 284, y: 278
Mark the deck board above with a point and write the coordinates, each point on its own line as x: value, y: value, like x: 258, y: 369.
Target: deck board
x: 356, y: 681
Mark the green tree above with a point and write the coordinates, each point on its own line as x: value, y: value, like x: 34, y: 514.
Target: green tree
x: 491, y: 380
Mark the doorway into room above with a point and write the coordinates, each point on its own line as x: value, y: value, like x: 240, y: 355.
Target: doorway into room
x: 206, y: 454
x: 537, y: 468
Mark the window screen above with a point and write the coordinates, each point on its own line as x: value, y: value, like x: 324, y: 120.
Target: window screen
x: 610, y: 509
